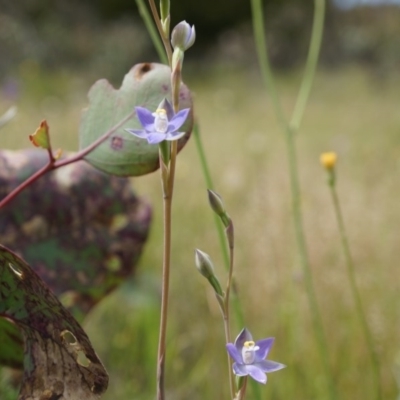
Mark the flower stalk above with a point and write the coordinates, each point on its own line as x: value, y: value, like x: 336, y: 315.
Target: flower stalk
x: 328, y: 161
x: 162, y: 127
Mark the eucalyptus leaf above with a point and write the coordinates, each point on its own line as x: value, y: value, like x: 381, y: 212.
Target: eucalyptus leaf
x: 123, y: 154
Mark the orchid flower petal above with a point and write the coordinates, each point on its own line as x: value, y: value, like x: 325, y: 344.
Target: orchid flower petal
x: 244, y: 336
x: 178, y: 120
x: 234, y: 353
x: 175, y: 135
x: 269, y: 366
x: 155, y: 137
x: 138, y: 132
x: 166, y: 105
x: 164, y: 115
x: 240, y: 369
x: 249, y: 356
x: 145, y: 117
x: 256, y: 373
x: 264, y: 348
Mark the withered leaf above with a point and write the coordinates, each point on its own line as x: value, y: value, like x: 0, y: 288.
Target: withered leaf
x: 59, y: 361
x: 81, y: 230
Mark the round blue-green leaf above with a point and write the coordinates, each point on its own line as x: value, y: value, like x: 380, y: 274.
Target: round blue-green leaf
x: 123, y: 154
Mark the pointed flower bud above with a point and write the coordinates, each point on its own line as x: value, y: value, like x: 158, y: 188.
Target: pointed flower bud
x: 206, y: 268
x: 218, y: 207
x: 183, y: 36
x: 204, y: 264
x: 216, y: 203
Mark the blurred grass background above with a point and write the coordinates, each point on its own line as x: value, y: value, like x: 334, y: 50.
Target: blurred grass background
x: 354, y: 110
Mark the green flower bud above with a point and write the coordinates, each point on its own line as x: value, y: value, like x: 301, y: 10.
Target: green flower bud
x: 204, y: 264
x: 206, y: 268
x: 216, y: 203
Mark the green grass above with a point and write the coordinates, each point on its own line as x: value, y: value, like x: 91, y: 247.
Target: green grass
x: 350, y: 112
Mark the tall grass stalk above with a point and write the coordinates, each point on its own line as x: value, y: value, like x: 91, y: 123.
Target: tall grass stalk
x: 353, y: 285
x: 290, y: 129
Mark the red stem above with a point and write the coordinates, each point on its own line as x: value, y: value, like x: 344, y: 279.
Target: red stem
x: 53, y: 164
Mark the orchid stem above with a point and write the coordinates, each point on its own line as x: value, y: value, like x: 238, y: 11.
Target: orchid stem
x: 243, y: 389
x: 167, y: 206
x: 230, y: 239
x: 220, y: 230
x: 165, y: 40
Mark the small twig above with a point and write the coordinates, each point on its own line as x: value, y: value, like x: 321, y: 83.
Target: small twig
x: 53, y: 164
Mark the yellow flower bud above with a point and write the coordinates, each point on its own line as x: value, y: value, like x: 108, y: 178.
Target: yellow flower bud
x: 328, y: 160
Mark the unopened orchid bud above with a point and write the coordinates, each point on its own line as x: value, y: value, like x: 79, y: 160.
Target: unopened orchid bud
x: 218, y: 207
x: 183, y: 36
x: 204, y: 263
x: 206, y: 268
x: 216, y: 202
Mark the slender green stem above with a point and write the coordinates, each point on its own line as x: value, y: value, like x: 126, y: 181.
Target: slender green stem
x: 289, y: 130
x: 167, y: 179
x: 220, y: 229
x: 354, y: 290
x: 165, y: 40
x: 305, y: 263
x: 242, y: 393
x: 210, y: 185
x: 311, y: 65
x: 167, y: 205
x: 228, y: 340
x: 149, y: 23
x: 265, y: 67
x: 230, y: 237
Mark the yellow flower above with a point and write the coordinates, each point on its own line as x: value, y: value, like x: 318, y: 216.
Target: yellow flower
x: 328, y: 160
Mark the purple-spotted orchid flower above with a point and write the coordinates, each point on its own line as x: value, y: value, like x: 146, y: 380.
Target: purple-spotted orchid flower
x: 162, y: 124
x: 250, y: 357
